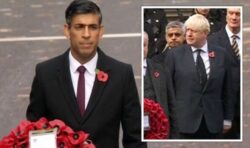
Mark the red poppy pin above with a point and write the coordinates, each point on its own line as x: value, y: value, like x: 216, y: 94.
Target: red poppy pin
x: 156, y: 74
x: 211, y: 54
x: 101, y: 75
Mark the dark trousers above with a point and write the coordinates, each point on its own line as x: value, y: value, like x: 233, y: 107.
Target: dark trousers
x: 201, y: 133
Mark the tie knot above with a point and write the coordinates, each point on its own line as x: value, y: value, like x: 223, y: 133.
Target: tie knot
x: 81, y: 69
x: 199, y: 51
x: 235, y: 36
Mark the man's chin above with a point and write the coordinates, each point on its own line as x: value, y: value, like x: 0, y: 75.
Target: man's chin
x: 190, y: 43
x: 88, y: 53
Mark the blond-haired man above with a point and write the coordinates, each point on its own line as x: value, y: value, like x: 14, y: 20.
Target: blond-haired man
x: 202, y: 81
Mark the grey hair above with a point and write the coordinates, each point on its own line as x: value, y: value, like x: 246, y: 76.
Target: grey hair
x: 176, y: 24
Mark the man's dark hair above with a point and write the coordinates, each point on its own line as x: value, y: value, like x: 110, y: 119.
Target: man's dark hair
x: 82, y: 7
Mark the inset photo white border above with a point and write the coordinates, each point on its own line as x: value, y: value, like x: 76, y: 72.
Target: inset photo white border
x: 142, y: 75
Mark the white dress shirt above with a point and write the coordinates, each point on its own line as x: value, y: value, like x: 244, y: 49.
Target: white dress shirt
x: 144, y: 67
x: 89, y: 75
x: 204, y: 56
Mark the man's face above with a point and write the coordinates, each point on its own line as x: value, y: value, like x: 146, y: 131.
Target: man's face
x: 195, y: 37
x: 84, y: 33
x: 233, y: 18
x: 145, y: 45
x: 203, y: 11
x: 174, y: 37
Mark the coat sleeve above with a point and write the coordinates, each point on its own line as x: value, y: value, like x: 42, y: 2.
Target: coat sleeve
x: 228, y: 92
x: 149, y: 91
x: 131, y: 113
x: 169, y: 68
x: 36, y: 108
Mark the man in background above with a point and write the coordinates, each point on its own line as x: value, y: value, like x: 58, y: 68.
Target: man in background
x: 229, y: 38
x: 201, y: 77
x: 215, y: 17
x: 174, y: 35
x: 158, y: 86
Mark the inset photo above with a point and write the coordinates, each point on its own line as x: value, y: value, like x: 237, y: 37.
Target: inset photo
x: 192, y: 73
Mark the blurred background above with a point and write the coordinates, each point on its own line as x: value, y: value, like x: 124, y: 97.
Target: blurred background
x: 32, y: 32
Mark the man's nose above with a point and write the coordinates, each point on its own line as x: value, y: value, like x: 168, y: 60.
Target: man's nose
x: 188, y: 33
x: 173, y: 36
x: 86, y: 32
x: 234, y: 16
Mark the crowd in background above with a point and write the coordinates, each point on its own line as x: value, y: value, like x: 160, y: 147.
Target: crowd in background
x: 198, y: 58
x: 156, y: 20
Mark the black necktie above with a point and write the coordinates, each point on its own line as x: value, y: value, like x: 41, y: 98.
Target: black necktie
x: 201, y: 71
x: 235, y: 46
x: 81, y: 90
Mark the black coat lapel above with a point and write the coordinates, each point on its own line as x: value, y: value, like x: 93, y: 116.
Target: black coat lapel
x: 212, y: 60
x: 66, y: 85
x: 155, y: 81
x: 158, y: 80
x: 158, y: 77
x: 98, y: 87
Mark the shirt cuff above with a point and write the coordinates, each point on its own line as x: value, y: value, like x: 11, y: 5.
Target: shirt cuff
x: 227, y: 122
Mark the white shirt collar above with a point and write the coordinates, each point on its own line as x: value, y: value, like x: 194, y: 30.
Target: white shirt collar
x: 144, y: 63
x: 204, y: 48
x: 90, y: 65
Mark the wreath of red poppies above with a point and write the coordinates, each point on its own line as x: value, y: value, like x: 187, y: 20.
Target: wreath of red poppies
x: 159, y: 122
x: 66, y: 137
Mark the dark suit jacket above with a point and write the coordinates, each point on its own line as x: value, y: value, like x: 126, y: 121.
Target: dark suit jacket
x: 221, y: 38
x: 111, y: 102
x: 213, y: 102
x: 160, y: 89
x: 160, y: 85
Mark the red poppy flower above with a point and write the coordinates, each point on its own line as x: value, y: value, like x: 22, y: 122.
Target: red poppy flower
x: 101, y: 75
x: 87, y: 144
x: 156, y: 74
x: 66, y: 137
x: 8, y: 141
x: 63, y: 141
x: 78, y: 137
x: 42, y: 123
x: 57, y: 124
x: 211, y: 54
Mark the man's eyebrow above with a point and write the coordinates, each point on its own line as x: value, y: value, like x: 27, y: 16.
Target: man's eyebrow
x: 87, y: 25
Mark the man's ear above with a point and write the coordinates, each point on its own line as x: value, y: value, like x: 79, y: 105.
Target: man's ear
x: 66, y: 31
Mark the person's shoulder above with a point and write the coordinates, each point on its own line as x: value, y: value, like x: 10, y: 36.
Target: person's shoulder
x: 120, y: 70
x: 112, y: 63
x: 159, y: 58
x: 154, y: 63
x: 181, y: 48
x: 53, y: 62
x: 217, y: 48
x: 218, y: 34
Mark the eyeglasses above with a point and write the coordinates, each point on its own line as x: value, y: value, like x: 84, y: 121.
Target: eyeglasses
x: 174, y: 34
